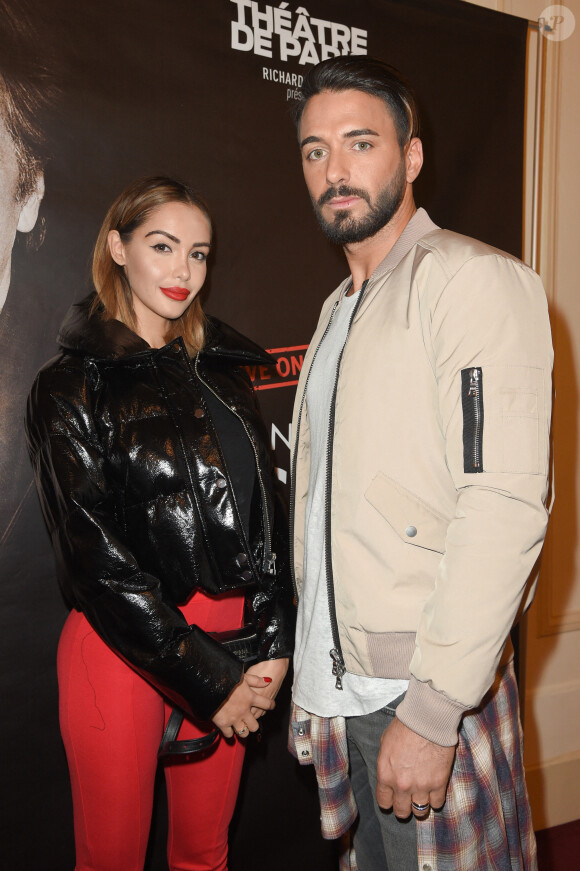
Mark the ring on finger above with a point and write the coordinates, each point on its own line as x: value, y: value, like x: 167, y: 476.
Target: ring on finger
x: 420, y: 808
x: 243, y: 731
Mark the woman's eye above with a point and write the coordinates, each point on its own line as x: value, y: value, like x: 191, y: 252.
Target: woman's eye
x: 161, y: 246
x: 199, y: 255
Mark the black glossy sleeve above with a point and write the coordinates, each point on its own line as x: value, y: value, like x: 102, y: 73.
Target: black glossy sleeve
x: 272, y: 608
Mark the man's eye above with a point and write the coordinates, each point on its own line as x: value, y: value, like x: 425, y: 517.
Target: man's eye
x: 316, y: 154
x: 363, y: 146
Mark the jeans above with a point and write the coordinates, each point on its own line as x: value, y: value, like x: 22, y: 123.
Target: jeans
x: 382, y: 842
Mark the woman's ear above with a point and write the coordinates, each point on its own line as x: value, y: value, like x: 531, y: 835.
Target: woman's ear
x: 116, y: 247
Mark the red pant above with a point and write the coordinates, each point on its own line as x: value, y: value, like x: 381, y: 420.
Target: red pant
x: 112, y: 722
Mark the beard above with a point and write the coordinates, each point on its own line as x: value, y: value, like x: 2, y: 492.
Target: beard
x: 344, y: 229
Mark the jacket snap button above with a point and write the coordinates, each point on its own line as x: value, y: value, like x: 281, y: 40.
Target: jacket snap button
x: 221, y: 483
x: 246, y: 576
x: 241, y: 559
x: 301, y: 731
x: 411, y: 531
x: 305, y: 753
x: 176, y: 348
x: 199, y: 412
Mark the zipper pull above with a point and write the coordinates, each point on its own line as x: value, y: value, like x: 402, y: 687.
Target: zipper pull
x: 270, y: 563
x: 338, y: 667
x: 473, y: 382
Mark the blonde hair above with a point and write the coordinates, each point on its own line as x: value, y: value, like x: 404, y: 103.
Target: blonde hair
x: 131, y: 208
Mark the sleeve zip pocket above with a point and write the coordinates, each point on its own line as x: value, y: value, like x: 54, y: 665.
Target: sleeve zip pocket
x: 472, y: 402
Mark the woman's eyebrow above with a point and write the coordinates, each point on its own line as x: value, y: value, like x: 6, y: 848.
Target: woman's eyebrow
x: 175, y: 239
x: 163, y: 233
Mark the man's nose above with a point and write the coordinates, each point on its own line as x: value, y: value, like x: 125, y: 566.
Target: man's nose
x: 337, y: 170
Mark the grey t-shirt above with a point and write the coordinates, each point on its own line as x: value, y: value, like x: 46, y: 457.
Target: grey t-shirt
x: 314, y: 684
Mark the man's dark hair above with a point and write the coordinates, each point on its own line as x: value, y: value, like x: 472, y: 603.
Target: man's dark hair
x: 368, y: 74
x: 27, y: 91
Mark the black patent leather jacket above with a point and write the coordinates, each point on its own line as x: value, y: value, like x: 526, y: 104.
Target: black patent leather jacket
x: 139, y: 504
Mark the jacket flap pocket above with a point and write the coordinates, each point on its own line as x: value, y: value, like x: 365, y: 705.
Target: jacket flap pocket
x: 413, y: 521
x: 516, y: 433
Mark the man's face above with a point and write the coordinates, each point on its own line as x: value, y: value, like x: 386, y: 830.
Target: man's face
x: 14, y: 215
x: 353, y: 164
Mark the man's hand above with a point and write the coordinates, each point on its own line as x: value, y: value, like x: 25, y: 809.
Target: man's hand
x: 274, y: 672
x: 410, y: 768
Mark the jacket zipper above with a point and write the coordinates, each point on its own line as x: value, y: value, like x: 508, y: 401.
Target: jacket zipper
x: 474, y: 393
x: 336, y: 655
x: 269, y: 563
x: 293, y: 466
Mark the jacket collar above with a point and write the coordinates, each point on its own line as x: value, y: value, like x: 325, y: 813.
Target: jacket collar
x: 223, y: 341
x: 86, y: 334
x: 83, y: 333
x: 419, y: 225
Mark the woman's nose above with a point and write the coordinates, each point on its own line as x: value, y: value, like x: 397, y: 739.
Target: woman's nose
x: 183, y: 268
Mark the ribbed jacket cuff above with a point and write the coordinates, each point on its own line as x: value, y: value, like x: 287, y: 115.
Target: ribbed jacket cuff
x: 430, y: 714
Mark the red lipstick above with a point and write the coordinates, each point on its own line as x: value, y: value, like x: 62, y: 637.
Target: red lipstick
x: 178, y: 293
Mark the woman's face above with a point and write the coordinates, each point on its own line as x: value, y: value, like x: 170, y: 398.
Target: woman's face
x: 165, y: 264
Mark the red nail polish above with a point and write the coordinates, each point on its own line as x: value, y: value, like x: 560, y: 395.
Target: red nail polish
x: 267, y: 679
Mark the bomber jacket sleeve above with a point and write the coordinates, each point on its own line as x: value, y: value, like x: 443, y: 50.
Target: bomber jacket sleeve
x: 125, y: 605
x: 491, y: 314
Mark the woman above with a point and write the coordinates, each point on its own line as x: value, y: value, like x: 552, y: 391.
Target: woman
x: 155, y: 479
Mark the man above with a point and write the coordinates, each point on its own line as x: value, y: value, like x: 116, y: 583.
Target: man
x: 419, y: 478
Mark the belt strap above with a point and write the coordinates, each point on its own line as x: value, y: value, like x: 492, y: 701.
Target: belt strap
x: 170, y: 746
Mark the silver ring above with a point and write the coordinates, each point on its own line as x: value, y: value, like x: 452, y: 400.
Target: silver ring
x: 420, y: 808
x: 243, y: 731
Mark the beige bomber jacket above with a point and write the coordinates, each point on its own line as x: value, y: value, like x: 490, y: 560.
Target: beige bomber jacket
x: 439, y: 469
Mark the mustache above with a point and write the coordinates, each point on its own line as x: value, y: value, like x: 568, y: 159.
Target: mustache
x: 342, y: 191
